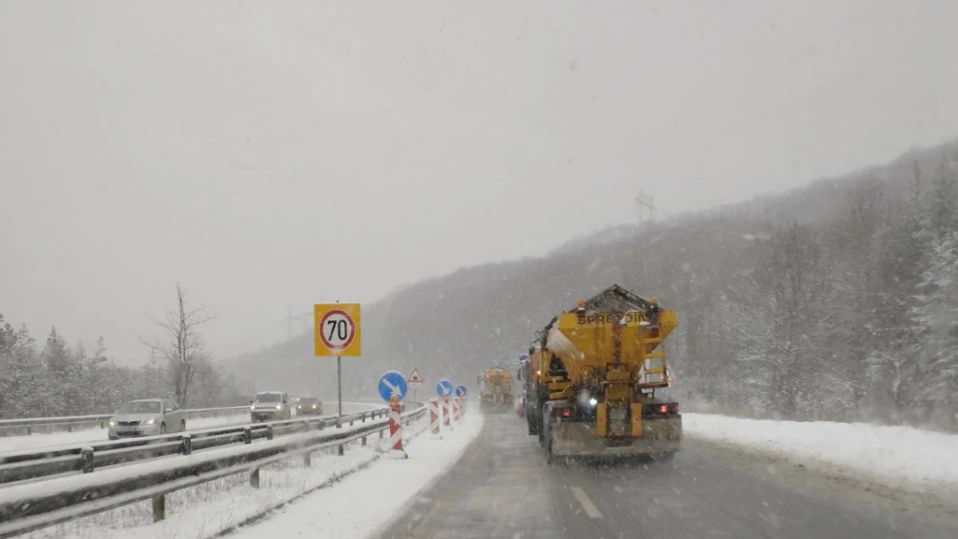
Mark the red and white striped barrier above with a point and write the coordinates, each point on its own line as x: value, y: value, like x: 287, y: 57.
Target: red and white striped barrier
x: 457, y: 409
x: 395, y: 429
x: 434, y: 414
x: 445, y: 412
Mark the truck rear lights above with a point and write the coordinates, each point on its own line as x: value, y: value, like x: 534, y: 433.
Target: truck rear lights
x: 660, y: 409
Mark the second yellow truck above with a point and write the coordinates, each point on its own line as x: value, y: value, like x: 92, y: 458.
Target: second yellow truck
x: 495, y: 389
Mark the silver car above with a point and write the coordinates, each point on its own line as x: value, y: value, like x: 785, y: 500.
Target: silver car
x: 146, y: 417
x: 270, y: 406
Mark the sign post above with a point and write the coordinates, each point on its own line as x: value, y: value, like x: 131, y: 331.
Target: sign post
x: 336, y: 332
x: 415, y: 381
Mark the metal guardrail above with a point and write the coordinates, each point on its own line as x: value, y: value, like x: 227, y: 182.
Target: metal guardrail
x: 26, y: 509
x: 69, y: 422
x: 33, y: 463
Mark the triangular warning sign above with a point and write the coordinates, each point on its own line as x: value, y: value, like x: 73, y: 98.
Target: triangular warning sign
x: 415, y: 377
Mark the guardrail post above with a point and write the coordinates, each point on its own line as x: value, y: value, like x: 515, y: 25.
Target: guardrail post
x: 159, y: 508
x: 254, y: 478
x: 247, y: 435
x: 186, y: 444
x: 380, y: 434
x: 341, y: 450
x: 364, y: 420
x: 87, y: 454
x: 350, y: 421
x: 307, y: 459
x: 364, y: 441
x: 69, y: 427
x: 339, y: 422
x: 29, y: 431
x: 269, y: 432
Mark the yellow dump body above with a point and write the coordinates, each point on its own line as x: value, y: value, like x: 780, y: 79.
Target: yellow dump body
x: 617, y: 349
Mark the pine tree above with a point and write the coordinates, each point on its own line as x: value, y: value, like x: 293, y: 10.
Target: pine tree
x: 935, y: 317
x: 22, y: 382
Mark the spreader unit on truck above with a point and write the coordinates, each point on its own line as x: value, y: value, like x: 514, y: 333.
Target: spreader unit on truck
x: 592, y: 377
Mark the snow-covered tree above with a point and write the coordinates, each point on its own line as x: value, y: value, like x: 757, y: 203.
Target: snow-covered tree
x: 181, y: 345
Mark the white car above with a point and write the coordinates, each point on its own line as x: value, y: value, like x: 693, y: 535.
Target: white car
x: 146, y: 417
x: 270, y: 406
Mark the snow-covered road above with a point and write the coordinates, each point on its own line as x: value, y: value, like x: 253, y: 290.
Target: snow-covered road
x: 364, y: 502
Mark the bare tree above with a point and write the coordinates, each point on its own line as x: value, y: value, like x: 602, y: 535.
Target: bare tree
x: 181, y: 344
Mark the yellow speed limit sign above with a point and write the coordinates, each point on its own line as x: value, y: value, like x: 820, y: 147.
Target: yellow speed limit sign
x: 336, y: 329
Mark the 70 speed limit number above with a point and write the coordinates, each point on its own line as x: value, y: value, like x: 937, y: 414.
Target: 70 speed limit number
x: 337, y: 329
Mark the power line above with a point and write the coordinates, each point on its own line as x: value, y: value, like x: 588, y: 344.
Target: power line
x: 645, y: 205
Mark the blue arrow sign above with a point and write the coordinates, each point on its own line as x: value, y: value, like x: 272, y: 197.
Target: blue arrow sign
x: 460, y: 391
x: 444, y: 388
x: 392, y: 383
x: 523, y: 358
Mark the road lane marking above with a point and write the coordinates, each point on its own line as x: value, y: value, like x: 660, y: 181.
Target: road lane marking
x: 590, y: 508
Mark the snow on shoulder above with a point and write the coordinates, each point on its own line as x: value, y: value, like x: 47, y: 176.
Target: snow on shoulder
x: 365, y: 501
x: 903, y: 456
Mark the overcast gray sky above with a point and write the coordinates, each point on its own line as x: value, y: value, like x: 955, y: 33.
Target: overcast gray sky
x: 276, y: 153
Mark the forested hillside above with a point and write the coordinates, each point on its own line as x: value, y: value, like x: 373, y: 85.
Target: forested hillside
x: 54, y: 379
x: 839, y: 301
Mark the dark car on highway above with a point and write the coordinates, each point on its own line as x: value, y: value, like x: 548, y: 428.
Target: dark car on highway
x: 309, y: 406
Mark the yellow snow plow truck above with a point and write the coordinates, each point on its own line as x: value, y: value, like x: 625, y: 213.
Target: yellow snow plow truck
x: 495, y: 389
x: 592, y: 377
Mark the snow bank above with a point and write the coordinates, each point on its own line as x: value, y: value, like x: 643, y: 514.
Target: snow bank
x: 900, y: 455
x: 362, y: 503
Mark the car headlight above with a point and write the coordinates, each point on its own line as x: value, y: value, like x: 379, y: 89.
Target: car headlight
x: 279, y: 406
x: 149, y: 421
x: 314, y: 407
x: 251, y: 407
x: 112, y: 423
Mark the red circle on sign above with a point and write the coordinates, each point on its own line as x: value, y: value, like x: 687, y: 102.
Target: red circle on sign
x: 348, y: 340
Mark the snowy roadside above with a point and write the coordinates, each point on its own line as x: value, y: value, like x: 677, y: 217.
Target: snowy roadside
x: 362, y: 503
x: 905, y: 457
x: 219, y: 506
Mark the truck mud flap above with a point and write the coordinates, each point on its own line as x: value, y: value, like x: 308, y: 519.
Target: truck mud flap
x: 578, y: 439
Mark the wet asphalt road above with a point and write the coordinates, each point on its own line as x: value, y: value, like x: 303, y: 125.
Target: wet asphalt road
x: 502, y: 488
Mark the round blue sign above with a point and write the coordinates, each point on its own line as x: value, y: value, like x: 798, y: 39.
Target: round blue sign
x: 460, y: 391
x: 392, y: 383
x: 444, y: 388
x: 523, y: 358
